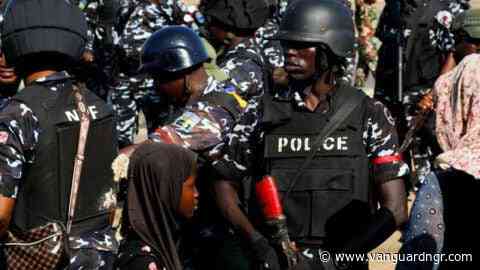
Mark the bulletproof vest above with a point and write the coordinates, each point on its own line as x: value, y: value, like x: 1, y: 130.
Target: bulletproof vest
x: 338, y: 175
x: 45, y: 189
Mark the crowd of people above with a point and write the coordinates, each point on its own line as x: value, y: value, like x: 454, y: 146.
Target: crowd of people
x: 263, y: 151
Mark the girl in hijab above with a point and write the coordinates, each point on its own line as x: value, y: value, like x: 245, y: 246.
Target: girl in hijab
x: 161, y: 195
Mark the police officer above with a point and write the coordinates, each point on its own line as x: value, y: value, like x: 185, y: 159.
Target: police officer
x: 134, y: 92
x: 39, y: 134
x: 332, y: 165
x: 232, y: 24
x: 205, y: 111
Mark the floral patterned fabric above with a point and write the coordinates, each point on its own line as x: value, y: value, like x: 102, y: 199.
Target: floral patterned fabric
x: 366, y: 20
x: 458, y: 116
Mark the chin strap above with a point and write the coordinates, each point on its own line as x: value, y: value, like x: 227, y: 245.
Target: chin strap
x: 187, y: 89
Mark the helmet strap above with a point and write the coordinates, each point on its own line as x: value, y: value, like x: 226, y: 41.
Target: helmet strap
x: 187, y: 92
x: 323, y: 64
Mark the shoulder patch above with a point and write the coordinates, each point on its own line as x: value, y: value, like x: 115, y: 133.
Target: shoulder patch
x: 186, y: 122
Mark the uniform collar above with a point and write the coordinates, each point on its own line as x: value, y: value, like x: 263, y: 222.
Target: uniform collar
x: 296, y: 95
x: 248, y: 43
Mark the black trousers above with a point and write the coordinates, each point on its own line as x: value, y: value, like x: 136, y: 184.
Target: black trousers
x: 461, y: 199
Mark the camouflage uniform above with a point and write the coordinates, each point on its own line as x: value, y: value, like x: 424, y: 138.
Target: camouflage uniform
x: 101, y: 36
x: 19, y: 134
x: 126, y: 7
x: 199, y: 126
x: 244, y: 66
x: 97, y: 27
x: 134, y: 92
x: 271, y: 49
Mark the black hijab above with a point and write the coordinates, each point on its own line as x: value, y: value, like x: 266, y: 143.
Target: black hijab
x: 156, y: 175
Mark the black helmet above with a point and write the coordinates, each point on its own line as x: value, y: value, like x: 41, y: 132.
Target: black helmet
x: 319, y: 21
x: 42, y: 26
x: 172, y: 49
x: 239, y: 14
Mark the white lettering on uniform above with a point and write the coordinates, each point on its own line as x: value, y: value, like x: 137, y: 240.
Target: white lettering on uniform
x: 342, y: 143
x: 282, y: 142
x: 72, y: 115
x: 307, y: 144
x: 296, y: 144
x: 93, y: 111
x: 303, y: 144
x: 329, y: 144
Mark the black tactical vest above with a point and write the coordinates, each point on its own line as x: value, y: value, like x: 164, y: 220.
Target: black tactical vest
x: 337, y: 177
x: 45, y: 189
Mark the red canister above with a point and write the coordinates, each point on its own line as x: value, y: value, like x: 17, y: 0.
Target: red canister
x: 268, y: 198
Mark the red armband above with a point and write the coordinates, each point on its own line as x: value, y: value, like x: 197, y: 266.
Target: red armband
x: 387, y: 159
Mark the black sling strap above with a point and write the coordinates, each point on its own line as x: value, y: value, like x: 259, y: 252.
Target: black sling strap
x: 350, y: 104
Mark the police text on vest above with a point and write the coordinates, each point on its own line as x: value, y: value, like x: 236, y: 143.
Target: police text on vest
x: 303, y: 144
x: 73, y: 116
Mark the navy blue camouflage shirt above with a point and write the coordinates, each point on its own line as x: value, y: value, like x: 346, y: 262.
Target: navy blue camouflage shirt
x: 272, y: 51
x: 148, y: 18
x: 241, y: 151
x: 201, y: 126
x: 97, y: 16
x: 243, y: 64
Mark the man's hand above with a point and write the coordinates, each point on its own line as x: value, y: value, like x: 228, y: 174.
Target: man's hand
x: 88, y: 57
x: 426, y: 103
x: 6, y: 210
